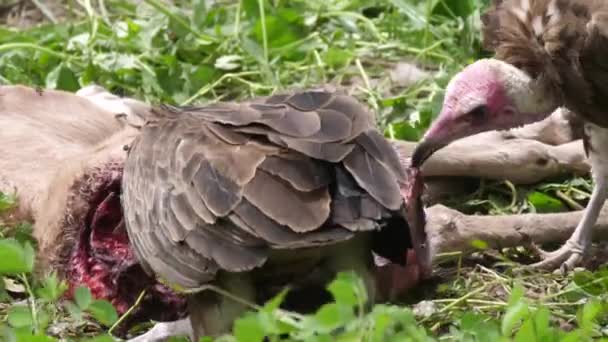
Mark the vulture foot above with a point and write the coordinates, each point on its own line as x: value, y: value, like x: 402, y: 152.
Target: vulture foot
x: 566, y: 257
x: 571, y: 253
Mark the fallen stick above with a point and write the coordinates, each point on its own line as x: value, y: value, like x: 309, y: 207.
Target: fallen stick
x: 450, y: 230
x: 559, y: 128
x: 524, y: 155
x: 521, y: 161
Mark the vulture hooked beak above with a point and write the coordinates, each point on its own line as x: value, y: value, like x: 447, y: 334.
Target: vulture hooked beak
x: 424, y: 150
x: 447, y: 128
x: 441, y: 133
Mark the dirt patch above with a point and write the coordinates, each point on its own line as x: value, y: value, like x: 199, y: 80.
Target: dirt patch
x: 27, y: 13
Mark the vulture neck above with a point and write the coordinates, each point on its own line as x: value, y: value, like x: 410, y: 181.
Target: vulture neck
x: 533, y: 99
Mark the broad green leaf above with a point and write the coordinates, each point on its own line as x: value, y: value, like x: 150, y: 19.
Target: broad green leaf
x: 542, y: 320
x: 593, y: 283
x: 588, y: 314
x: 248, y: 329
x: 254, y: 49
x: 62, y: 78
x: 52, y: 288
x: 22, y: 232
x: 517, y: 294
x: 573, y: 336
x: 454, y: 8
x: 200, y: 76
x: 15, y: 258
x: 526, y: 332
x: 513, y: 316
x: 484, y: 328
x: 337, y: 58
x: 74, y: 310
x: 404, y: 131
x: 103, y: 311
x: 89, y: 75
x: 29, y: 255
x: 43, y: 318
x: 176, y: 27
x: 20, y: 316
x: 545, y: 203
x: 252, y: 8
x: 279, y: 32
x: 345, y: 289
x: 330, y: 317
x: 23, y: 336
x: 382, y: 322
x: 117, y: 62
x: 413, y: 13
x: 199, y: 13
x: 276, y: 301
x: 82, y: 297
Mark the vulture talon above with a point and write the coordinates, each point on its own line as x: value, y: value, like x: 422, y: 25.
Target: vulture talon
x: 566, y: 257
x: 538, y: 251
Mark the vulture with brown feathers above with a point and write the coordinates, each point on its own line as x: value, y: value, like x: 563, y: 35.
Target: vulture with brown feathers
x: 261, y: 194
x: 548, y: 54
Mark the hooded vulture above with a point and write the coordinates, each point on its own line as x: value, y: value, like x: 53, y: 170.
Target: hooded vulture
x: 548, y: 54
x: 261, y: 194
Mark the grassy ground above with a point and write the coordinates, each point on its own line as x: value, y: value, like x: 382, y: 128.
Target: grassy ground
x: 396, y: 55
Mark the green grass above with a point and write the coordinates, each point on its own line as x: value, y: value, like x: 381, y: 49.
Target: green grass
x: 186, y: 53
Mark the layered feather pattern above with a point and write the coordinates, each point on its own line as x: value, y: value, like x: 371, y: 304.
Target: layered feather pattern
x: 219, y: 187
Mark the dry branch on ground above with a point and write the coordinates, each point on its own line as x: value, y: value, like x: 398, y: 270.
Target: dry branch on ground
x: 450, y: 230
x: 523, y: 156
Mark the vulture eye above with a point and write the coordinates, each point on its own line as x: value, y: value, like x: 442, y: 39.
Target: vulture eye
x: 478, y: 115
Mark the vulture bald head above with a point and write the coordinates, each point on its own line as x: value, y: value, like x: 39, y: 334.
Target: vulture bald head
x: 262, y: 194
x: 487, y: 95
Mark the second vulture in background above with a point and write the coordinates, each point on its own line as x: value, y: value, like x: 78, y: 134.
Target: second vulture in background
x: 549, y: 53
x: 256, y: 195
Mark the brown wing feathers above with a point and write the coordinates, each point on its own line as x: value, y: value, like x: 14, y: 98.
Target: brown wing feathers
x: 232, y: 180
x: 561, y: 43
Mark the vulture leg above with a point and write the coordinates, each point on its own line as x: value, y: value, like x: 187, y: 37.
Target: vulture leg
x: 164, y: 330
x: 571, y: 253
x: 213, y: 314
